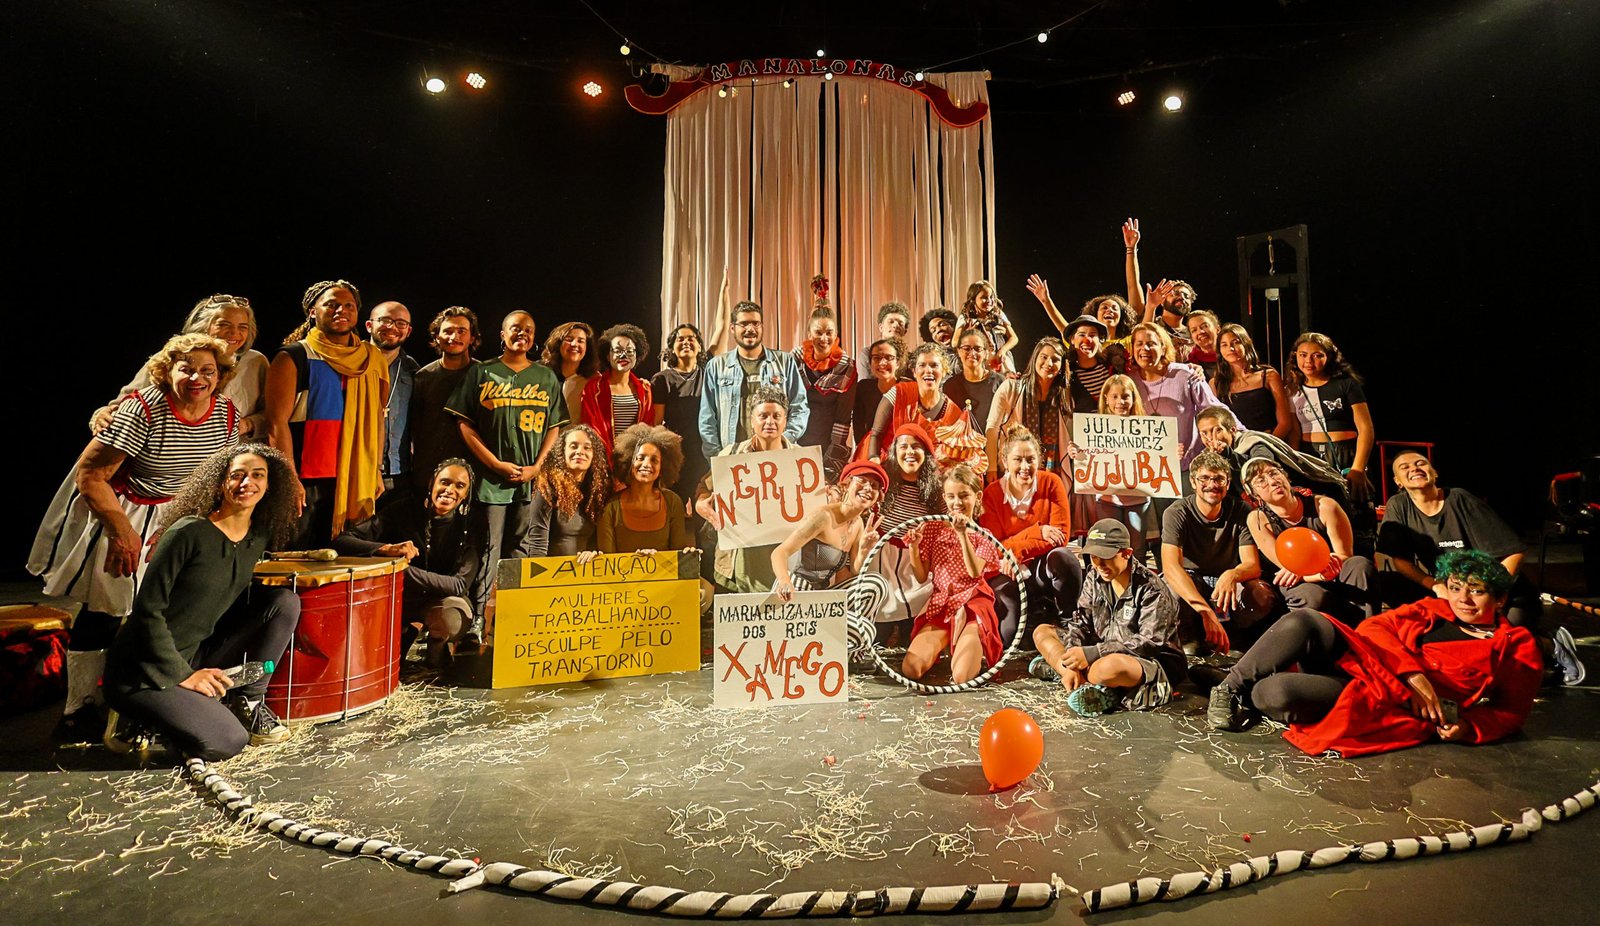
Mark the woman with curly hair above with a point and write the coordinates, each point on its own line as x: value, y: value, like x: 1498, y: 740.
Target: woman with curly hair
x: 1335, y: 423
x: 676, y: 394
x: 196, y: 611
x: 617, y: 399
x: 645, y: 517
x: 231, y: 320
x: 569, y: 352
x: 570, y: 491
x: 923, y: 402
x: 1450, y: 668
x: 92, y: 543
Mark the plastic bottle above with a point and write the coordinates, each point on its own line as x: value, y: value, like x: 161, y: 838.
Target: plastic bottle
x: 249, y: 672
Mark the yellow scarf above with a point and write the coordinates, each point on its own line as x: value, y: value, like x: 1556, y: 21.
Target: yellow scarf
x: 361, y: 436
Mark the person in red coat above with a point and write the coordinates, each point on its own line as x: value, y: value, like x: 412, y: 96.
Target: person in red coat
x: 616, y: 399
x: 1030, y: 510
x: 1452, y: 669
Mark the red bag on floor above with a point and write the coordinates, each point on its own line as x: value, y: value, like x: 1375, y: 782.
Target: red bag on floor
x: 33, y: 658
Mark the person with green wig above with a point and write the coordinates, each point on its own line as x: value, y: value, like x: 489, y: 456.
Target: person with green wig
x: 1450, y: 668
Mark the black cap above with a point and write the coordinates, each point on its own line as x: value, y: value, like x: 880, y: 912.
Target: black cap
x: 1106, y: 539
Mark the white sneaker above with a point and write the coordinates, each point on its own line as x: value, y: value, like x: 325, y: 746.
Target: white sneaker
x: 1566, y: 655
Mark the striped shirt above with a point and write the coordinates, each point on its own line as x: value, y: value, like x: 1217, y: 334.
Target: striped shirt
x: 904, y: 503
x: 163, y: 448
x: 1094, y: 380
x: 624, y: 412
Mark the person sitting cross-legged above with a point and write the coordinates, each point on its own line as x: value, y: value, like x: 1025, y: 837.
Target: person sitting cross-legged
x: 1120, y: 645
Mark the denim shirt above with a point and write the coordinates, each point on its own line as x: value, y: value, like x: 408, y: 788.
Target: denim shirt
x: 724, y: 383
x: 396, y: 415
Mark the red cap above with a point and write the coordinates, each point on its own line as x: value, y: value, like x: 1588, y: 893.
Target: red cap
x: 917, y: 432
x: 866, y: 469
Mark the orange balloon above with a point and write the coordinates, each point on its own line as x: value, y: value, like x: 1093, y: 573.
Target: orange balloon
x: 1302, y: 551
x: 1010, y: 747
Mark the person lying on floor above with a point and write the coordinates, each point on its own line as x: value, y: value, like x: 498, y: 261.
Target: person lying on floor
x: 1119, y: 646
x: 443, y: 556
x: 1451, y: 668
x: 197, y: 614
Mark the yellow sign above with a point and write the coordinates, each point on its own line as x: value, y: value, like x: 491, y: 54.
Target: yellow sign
x: 557, y: 620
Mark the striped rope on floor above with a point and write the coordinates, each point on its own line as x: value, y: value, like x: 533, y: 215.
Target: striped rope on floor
x: 599, y: 892
x: 1147, y: 890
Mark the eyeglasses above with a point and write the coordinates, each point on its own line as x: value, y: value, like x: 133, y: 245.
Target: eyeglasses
x: 749, y: 324
x: 391, y: 323
x: 225, y: 299
x: 1211, y: 480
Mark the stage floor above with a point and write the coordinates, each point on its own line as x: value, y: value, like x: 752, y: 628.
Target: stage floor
x: 641, y: 780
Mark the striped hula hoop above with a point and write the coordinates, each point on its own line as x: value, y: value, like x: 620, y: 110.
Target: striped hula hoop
x: 665, y: 901
x: 1022, y: 603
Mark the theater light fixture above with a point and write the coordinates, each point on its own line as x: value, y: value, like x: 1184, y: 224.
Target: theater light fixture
x: 1125, y: 97
x: 476, y: 81
x: 1173, y: 102
x: 592, y: 88
x: 433, y: 85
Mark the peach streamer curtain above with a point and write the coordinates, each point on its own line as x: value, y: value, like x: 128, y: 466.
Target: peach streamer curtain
x: 852, y: 178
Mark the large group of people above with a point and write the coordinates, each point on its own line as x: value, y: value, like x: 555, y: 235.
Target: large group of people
x: 564, y: 448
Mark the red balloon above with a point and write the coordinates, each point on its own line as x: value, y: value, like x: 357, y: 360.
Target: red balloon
x: 1010, y: 746
x: 1302, y: 551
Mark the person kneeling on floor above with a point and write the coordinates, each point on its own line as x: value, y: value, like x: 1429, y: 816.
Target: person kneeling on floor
x: 1120, y: 644
x: 196, y: 613
x: 443, y: 556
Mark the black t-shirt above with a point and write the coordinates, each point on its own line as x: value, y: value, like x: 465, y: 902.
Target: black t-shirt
x: 1466, y: 522
x: 1329, y: 407
x: 1210, y: 548
x: 981, y: 395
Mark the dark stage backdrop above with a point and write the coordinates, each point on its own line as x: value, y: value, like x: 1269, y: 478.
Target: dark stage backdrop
x: 163, y: 151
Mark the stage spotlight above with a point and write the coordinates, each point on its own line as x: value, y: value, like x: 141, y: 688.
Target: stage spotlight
x: 476, y: 80
x: 1173, y: 102
x: 434, y: 85
x: 1044, y: 37
x: 593, y: 89
x: 1125, y: 97
x: 626, y: 51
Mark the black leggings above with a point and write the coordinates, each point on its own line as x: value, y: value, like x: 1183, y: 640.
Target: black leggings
x: 1053, y: 588
x: 259, y: 625
x: 1304, y: 638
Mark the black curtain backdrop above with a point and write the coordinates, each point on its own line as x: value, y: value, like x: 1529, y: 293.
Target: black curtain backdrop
x: 160, y: 152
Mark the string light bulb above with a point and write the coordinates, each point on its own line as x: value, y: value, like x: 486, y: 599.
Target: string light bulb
x: 626, y: 51
x: 788, y: 82
x: 820, y: 53
x: 918, y: 75
x: 1173, y: 102
x: 828, y: 76
x: 1044, y: 37
x: 722, y: 92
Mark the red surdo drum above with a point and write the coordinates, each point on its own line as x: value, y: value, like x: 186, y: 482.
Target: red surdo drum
x: 345, y: 658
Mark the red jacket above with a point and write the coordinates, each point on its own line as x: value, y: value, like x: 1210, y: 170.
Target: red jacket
x: 594, y: 406
x: 1052, y: 504
x: 1494, y: 680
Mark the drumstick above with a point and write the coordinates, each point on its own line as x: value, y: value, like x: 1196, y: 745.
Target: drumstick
x: 1548, y: 598
x: 305, y: 556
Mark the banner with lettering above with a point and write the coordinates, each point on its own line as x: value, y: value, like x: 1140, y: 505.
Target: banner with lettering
x: 1133, y: 455
x: 557, y: 620
x: 762, y: 496
x: 770, y: 651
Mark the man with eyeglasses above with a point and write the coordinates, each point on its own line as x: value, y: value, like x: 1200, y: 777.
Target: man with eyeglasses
x: 732, y: 378
x: 974, y: 385
x: 389, y: 325
x: 1210, y: 562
